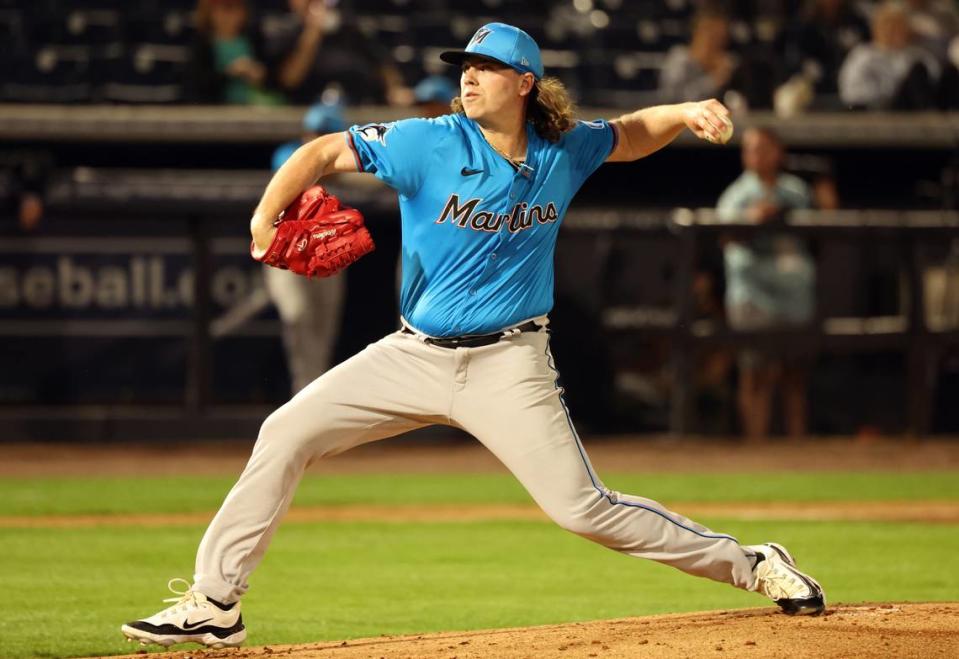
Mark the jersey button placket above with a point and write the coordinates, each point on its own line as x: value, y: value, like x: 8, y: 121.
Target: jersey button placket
x: 501, y: 236
x: 518, y: 184
x: 514, y: 189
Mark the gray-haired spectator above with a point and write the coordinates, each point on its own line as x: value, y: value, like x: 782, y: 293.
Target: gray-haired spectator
x: 890, y: 72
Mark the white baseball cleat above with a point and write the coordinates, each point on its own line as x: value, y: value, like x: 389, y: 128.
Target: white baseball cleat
x: 193, y: 618
x: 778, y: 579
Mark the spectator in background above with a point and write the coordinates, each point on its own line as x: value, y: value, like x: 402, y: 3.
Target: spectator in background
x: 935, y: 23
x: 702, y: 69
x: 935, y: 27
x: 770, y: 282
x: 309, y: 309
x: 819, y: 42
x: 706, y: 68
x: 226, y: 66
x: 316, y: 48
x: 825, y: 189
x: 819, y: 173
x: 890, y: 72
x: 23, y: 179
x: 433, y: 96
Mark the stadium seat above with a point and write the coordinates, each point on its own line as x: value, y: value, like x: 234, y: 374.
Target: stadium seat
x: 13, y: 37
x: 620, y: 36
x: 392, y: 30
x: 159, y: 6
x: 89, y: 27
x: 388, y: 6
x: 172, y: 27
x: 150, y: 73
x: 51, y: 74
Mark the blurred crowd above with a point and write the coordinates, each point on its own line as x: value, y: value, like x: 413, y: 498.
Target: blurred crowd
x: 787, y: 55
x: 828, y: 55
x: 309, y: 52
x: 817, y: 54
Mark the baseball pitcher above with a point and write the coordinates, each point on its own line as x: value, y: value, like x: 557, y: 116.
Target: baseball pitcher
x: 482, y: 193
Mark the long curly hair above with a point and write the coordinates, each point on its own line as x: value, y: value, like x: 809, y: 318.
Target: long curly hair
x: 549, y: 109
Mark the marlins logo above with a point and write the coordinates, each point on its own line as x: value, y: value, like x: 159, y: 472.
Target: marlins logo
x: 479, y: 37
x: 375, y: 132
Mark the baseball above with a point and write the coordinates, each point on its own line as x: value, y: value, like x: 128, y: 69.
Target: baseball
x: 727, y: 133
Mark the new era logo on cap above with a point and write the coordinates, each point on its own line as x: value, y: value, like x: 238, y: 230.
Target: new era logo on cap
x: 504, y: 43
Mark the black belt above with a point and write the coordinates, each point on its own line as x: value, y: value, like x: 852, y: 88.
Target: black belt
x: 478, y: 340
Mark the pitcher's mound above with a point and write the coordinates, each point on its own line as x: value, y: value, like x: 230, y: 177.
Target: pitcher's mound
x: 845, y: 630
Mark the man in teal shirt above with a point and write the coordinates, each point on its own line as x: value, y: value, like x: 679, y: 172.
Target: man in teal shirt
x: 770, y: 282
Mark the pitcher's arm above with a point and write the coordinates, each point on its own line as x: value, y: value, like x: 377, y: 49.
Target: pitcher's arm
x: 328, y: 154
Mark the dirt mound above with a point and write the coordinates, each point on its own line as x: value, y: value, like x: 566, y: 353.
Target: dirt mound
x: 864, y: 630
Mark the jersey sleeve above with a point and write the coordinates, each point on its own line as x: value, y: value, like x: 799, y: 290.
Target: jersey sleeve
x: 395, y: 152
x: 589, y: 144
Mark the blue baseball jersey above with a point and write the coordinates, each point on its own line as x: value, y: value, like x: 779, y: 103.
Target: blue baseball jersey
x: 478, y: 233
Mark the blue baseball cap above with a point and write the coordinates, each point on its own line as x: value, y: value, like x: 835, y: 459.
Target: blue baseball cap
x: 324, y: 118
x: 434, y: 89
x: 504, y: 43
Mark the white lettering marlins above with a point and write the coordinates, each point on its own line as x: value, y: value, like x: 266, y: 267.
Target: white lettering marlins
x: 465, y: 215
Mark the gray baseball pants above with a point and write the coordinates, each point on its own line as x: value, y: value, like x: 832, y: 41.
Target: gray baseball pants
x: 506, y: 396
x: 310, y: 310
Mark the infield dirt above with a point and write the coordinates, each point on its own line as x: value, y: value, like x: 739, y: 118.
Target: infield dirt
x: 863, y: 630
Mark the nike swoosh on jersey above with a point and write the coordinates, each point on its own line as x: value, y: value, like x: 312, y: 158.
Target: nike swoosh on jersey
x: 188, y: 625
x: 470, y: 172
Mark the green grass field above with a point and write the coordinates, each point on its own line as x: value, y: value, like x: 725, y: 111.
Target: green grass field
x: 68, y: 589
x: 74, y: 496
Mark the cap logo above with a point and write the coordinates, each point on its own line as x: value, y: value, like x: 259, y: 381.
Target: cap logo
x: 480, y: 36
x: 524, y: 62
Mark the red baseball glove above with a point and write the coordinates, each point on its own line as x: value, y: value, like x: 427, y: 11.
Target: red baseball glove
x: 317, y: 237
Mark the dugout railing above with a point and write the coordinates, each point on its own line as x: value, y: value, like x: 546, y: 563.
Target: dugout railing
x: 272, y: 125
x: 920, y: 333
